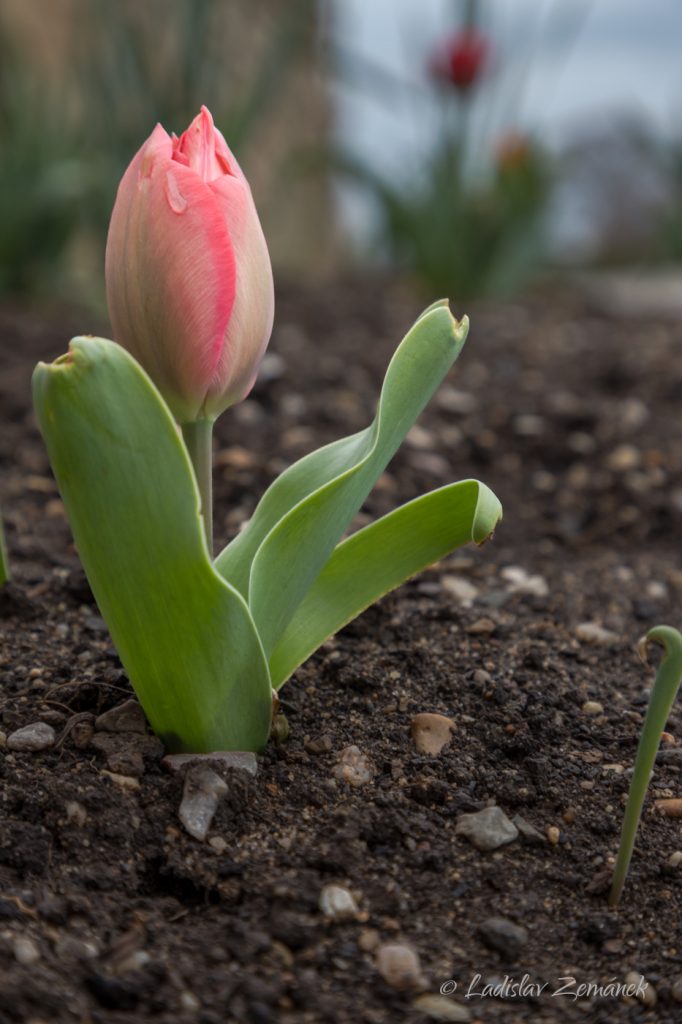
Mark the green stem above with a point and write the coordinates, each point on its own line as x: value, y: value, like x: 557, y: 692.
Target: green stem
x: 198, y: 437
x: 663, y: 694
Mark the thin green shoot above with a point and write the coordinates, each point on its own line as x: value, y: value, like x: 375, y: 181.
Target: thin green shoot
x: 663, y: 696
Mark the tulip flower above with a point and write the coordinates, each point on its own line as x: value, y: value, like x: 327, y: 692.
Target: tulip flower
x: 461, y: 60
x: 189, y: 280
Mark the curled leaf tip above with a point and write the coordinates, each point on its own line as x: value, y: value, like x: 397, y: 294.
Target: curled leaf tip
x: 438, y: 304
x: 667, y: 637
x: 488, y: 537
x: 487, y: 516
x: 643, y: 649
x: 66, y: 359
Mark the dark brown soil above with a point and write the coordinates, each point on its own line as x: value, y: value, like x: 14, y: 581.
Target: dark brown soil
x: 574, y: 419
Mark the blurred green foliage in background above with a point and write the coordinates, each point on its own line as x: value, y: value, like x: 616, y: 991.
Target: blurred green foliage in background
x: 42, y: 181
x: 460, y: 235
x: 467, y: 219
x: 65, y: 145
x: 152, y: 69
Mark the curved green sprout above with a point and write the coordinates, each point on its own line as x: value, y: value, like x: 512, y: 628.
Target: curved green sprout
x: 663, y: 694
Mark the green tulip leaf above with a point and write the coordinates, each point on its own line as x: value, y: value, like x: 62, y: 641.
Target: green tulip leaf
x: 185, y: 636
x: 304, y: 513
x: 4, y: 564
x: 379, y: 558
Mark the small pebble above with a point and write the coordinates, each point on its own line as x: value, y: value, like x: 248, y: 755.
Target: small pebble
x: 593, y: 633
x: 319, y: 744
x: 528, y: 832
x: 25, y: 951
x: 76, y: 814
x: 529, y: 425
x: 70, y: 947
x: 353, y: 767
x: 201, y: 795
x: 670, y: 808
x: 623, y: 458
x: 462, y: 590
x: 553, y: 834
x: 337, y: 903
x: 128, y: 782
x: 503, y: 935
x: 646, y: 993
x: 441, y: 1008
x: 398, y: 964
x: 521, y: 582
x: 676, y: 990
x: 126, y: 717
x: 368, y: 940
x: 431, y: 732
x: 675, y: 859
x: 189, y: 1002
x: 36, y: 736
x: 461, y: 403
x: 218, y: 844
x: 592, y: 707
x: 487, y: 829
x: 481, y: 627
x: 420, y: 438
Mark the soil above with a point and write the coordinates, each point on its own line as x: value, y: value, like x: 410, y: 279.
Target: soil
x: 111, y: 913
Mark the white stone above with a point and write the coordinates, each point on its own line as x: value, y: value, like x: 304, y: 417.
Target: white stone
x: 337, y: 903
x: 399, y: 966
x: 36, y: 736
x: 593, y: 633
x: 201, y: 795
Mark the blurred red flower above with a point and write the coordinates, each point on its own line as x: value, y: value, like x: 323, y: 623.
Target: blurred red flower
x: 461, y: 59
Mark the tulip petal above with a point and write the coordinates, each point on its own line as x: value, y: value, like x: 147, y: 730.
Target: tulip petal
x: 200, y: 146
x: 171, y: 275
x: 250, y: 324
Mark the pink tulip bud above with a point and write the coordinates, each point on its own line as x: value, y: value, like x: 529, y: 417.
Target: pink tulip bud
x: 189, y: 281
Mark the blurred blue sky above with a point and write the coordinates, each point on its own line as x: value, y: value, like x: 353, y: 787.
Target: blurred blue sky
x: 563, y: 68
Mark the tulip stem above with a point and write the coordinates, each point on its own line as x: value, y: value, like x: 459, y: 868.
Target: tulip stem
x: 198, y: 438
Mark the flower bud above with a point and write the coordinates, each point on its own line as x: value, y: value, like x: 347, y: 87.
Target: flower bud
x: 189, y: 280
